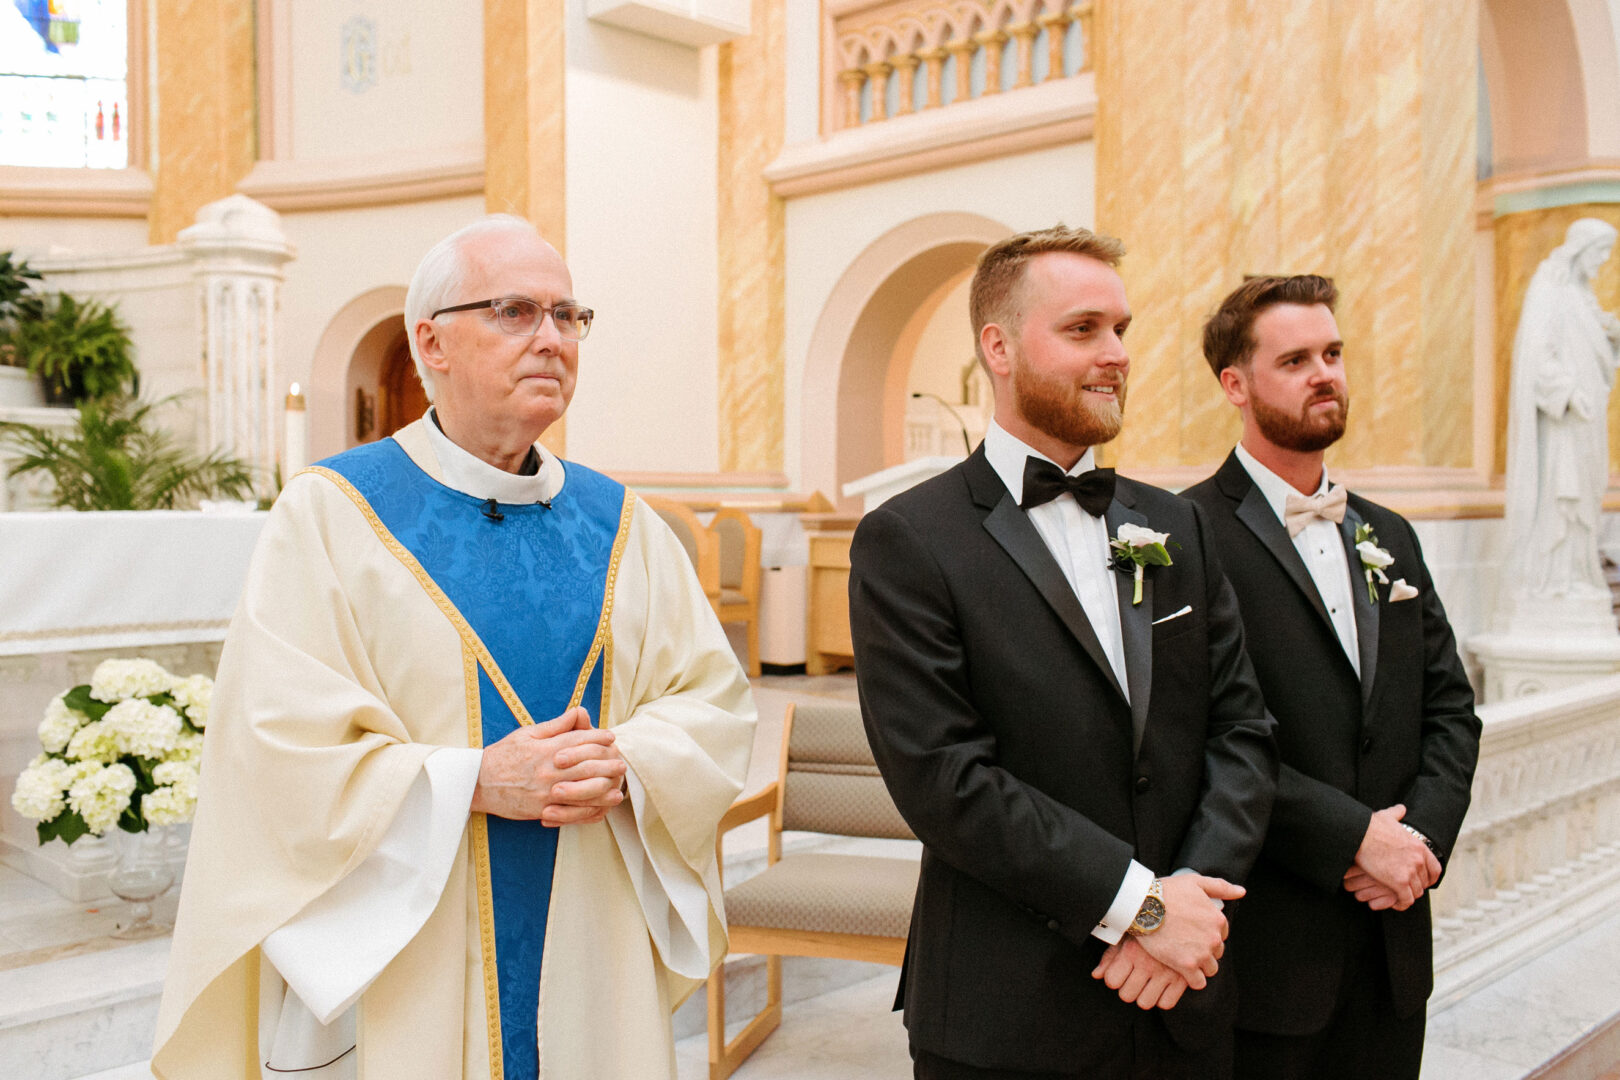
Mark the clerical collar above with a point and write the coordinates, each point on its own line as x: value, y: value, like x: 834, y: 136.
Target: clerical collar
x: 1006, y: 453
x: 1275, y: 489
x: 473, y: 476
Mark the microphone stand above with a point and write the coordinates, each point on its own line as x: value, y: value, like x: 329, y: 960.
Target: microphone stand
x: 967, y: 446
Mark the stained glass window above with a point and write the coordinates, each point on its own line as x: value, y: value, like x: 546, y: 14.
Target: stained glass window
x: 64, y: 98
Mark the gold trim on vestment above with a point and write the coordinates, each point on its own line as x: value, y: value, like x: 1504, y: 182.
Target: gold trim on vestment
x: 478, y: 834
x: 604, y: 625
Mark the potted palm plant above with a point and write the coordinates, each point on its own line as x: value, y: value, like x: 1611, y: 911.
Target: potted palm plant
x: 116, y: 458
x: 80, y: 349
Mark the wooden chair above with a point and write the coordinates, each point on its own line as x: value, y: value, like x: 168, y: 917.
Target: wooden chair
x: 739, y: 575
x: 848, y: 907
x: 701, y: 544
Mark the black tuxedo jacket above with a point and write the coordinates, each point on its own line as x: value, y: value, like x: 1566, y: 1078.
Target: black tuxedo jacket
x: 1403, y: 732
x: 1009, y: 747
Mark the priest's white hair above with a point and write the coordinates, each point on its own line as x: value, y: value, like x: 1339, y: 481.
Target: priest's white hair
x: 440, y: 276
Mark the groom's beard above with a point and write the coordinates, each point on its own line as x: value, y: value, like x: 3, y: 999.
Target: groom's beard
x: 1303, y: 431
x: 1060, y: 407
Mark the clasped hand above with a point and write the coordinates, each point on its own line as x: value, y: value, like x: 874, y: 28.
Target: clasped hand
x: 561, y: 772
x: 1154, y: 970
x: 1393, y: 866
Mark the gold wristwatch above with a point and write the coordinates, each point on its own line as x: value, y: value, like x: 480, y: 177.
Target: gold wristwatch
x: 1150, y: 916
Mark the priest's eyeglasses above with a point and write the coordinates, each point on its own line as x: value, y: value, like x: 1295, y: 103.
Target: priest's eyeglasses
x: 523, y: 317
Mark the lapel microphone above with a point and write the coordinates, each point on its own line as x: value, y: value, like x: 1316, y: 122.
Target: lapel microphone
x: 492, y: 511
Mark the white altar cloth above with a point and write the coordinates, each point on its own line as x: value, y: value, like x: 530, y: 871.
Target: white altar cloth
x: 103, y: 580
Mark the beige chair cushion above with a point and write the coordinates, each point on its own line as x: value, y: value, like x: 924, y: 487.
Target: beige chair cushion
x: 847, y: 800
x: 733, y: 549
x: 732, y: 596
x: 834, y: 894
x: 683, y: 533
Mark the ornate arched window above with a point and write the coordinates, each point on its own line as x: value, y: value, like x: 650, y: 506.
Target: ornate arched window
x: 64, y: 83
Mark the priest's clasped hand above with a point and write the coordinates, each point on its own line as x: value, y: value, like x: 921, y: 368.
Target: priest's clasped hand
x: 1393, y: 866
x: 563, y: 772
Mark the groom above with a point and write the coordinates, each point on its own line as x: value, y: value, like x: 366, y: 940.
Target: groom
x: 1375, y: 718
x: 1062, y: 745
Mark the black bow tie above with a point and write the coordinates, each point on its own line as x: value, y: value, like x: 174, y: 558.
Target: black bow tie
x: 1044, y: 481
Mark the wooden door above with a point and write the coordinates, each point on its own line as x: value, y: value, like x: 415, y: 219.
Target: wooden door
x: 402, y: 397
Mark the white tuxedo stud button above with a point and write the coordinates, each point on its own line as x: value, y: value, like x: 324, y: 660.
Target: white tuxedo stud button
x: 1178, y: 614
x: 1400, y: 590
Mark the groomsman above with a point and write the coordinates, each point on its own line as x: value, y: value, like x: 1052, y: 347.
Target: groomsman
x: 1375, y: 718
x: 1065, y: 731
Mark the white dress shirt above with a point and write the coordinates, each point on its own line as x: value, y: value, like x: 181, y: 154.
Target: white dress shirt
x: 1322, y: 548
x: 1079, y: 543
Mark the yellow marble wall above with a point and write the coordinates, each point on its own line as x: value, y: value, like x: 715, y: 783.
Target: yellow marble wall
x: 525, y: 65
x: 1522, y: 240
x: 751, y: 312
x: 1328, y: 136
x: 204, y: 123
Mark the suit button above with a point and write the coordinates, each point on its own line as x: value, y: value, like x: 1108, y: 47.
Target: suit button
x: 1142, y: 784
x: 1052, y: 925
x: 1366, y: 746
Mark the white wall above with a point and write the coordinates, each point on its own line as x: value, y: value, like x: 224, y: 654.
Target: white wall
x: 36, y: 237
x: 642, y: 128
x: 944, y: 347
x: 429, y: 88
x: 827, y: 231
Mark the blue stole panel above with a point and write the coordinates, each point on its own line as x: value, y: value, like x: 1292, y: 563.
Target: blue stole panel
x: 531, y: 586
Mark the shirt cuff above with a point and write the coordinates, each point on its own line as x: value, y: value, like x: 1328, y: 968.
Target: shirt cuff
x: 1127, y: 902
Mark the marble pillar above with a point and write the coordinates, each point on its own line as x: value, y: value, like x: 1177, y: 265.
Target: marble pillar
x: 204, y: 122
x: 525, y: 69
x: 1325, y: 136
x: 751, y: 240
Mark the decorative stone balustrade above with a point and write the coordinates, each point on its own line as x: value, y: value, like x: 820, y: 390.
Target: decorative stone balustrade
x: 1539, y: 854
x: 903, y: 56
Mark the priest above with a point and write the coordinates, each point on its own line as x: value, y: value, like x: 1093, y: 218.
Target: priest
x: 474, y: 728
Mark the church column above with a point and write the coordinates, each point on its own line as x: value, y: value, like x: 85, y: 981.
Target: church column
x: 204, y: 120
x: 525, y: 70
x: 1325, y: 136
x: 751, y: 254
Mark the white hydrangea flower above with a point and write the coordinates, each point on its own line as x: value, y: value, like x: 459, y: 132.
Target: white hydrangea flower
x: 187, y: 748
x: 168, y: 805
x: 117, y: 680
x: 194, y: 693
x: 39, y: 794
x: 138, y: 727
x: 178, y: 774
x: 59, y: 724
x: 95, y: 742
x: 101, y: 797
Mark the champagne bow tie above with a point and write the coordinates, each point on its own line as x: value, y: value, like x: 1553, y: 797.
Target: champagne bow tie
x: 1300, y: 510
x: 1044, y: 481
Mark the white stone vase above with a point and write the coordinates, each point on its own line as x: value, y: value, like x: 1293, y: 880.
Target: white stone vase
x: 19, y: 388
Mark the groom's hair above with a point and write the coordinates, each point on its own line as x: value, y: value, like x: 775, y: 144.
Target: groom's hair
x: 992, y: 298
x: 1229, y: 333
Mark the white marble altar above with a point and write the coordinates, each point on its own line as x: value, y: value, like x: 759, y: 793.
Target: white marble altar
x: 879, y: 487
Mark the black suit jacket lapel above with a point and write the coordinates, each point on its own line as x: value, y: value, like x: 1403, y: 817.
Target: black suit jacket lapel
x: 1366, y: 609
x: 1135, y: 621
x: 1018, y: 537
x: 1256, y: 513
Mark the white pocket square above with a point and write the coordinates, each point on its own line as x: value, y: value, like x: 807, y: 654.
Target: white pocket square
x: 1174, y: 615
x: 1399, y: 590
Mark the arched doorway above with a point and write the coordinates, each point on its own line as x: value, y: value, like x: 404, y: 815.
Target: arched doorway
x: 400, y: 396
x: 855, y: 386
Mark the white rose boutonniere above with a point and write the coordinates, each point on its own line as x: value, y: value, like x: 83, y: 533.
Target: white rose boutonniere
x: 1136, y: 547
x: 1373, y: 559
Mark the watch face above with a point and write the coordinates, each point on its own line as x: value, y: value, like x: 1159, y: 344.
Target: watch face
x: 1150, y: 916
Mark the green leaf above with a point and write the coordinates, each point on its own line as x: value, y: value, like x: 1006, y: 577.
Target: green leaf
x: 79, y: 698
x: 130, y: 820
x: 67, y: 826
x: 1154, y: 555
x: 142, y: 768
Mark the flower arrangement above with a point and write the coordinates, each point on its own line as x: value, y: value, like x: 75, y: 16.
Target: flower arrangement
x: 122, y: 749
x: 1136, y: 547
x: 1373, y: 560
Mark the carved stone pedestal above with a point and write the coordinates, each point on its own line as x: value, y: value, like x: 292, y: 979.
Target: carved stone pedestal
x: 1518, y: 664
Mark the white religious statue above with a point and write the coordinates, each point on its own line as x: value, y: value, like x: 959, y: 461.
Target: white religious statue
x: 1564, y: 358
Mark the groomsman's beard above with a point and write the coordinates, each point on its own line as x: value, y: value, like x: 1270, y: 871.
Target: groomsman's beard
x: 1303, y: 432
x: 1064, y: 410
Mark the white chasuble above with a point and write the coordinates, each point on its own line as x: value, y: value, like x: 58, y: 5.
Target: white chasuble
x: 388, y: 617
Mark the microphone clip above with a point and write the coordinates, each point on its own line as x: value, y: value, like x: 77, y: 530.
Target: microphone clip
x: 492, y: 511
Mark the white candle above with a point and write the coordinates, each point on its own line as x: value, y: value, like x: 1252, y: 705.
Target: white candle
x: 296, y: 454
